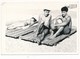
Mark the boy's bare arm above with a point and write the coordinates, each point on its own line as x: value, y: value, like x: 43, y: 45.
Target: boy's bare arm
x: 50, y: 21
x: 64, y: 23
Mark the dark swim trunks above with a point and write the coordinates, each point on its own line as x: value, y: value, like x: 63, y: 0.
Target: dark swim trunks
x: 64, y: 31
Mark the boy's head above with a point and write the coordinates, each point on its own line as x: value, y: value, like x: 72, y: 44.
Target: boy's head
x: 46, y: 12
x: 64, y: 11
x: 32, y: 20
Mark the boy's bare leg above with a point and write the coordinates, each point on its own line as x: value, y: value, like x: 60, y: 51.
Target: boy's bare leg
x: 57, y: 33
x: 40, y: 29
x: 44, y: 34
x: 51, y: 33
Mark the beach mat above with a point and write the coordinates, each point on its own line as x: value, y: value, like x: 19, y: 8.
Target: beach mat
x: 55, y: 41
x: 49, y: 42
x: 15, y: 33
x: 29, y: 37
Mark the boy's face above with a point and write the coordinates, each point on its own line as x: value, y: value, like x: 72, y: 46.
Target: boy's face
x: 64, y: 13
x: 32, y: 21
x: 46, y: 13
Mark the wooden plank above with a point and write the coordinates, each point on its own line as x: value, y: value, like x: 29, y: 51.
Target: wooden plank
x: 54, y: 41
x: 31, y: 37
x: 49, y: 42
x: 16, y: 34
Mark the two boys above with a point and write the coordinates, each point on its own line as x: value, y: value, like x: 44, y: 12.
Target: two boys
x: 58, y: 28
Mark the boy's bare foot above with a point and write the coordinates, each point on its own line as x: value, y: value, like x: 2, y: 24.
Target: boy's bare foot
x: 39, y: 43
x: 52, y: 37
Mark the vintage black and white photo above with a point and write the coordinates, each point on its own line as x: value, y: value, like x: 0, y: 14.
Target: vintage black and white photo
x: 44, y: 27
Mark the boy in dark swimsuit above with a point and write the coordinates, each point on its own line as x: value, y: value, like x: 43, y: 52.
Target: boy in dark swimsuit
x: 65, y: 26
x: 44, y: 24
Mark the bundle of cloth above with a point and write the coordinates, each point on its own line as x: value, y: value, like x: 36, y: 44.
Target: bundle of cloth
x: 23, y: 25
x: 18, y: 29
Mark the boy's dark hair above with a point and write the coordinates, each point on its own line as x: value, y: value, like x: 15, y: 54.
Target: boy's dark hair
x: 64, y: 9
x: 46, y: 10
x: 34, y: 19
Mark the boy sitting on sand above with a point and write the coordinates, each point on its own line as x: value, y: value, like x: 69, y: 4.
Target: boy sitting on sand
x: 65, y: 25
x: 44, y: 24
